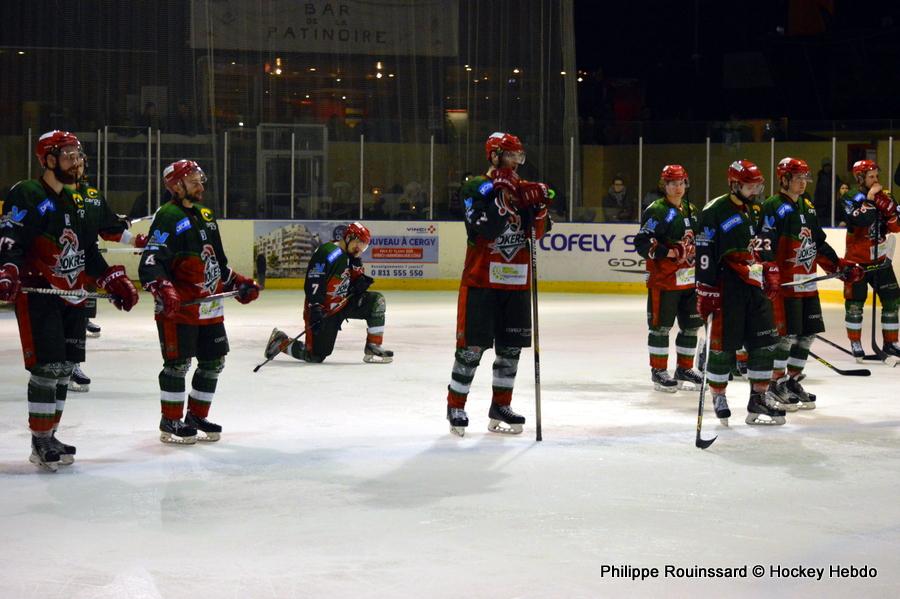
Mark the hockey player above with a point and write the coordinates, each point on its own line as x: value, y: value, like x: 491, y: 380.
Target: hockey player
x: 48, y: 239
x: 493, y: 309
x: 184, y: 261
x: 666, y: 242
x: 734, y: 277
x: 113, y: 228
x: 336, y: 289
x: 790, y: 223
x: 871, y: 214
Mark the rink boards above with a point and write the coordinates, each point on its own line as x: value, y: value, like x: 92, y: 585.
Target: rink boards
x: 427, y: 255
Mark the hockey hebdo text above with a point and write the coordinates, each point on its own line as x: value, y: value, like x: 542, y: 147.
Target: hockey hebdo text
x: 771, y: 571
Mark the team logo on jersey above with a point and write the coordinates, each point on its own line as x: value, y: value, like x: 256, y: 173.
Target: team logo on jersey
x: 671, y: 215
x: 732, y: 223
x: 92, y: 193
x: 158, y: 238
x: 511, y: 240
x: 650, y: 225
x: 768, y: 223
x: 13, y: 217
x: 690, y: 248
x: 206, y: 214
x: 485, y: 188
x: 806, y: 251
x: 46, y: 205
x: 70, y: 260
x: 318, y: 270
x: 212, y: 272
x: 334, y: 255
x: 182, y: 226
x: 78, y: 199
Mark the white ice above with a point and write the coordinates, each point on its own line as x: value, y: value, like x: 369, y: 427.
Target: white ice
x: 342, y: 480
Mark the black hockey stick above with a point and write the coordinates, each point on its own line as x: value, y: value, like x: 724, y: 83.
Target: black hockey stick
x: 853, y: 372
x: 535, y: 331
x: 699, y: 441
x: 844, y: 349
x: 331, y: 312
x: 834, y: 275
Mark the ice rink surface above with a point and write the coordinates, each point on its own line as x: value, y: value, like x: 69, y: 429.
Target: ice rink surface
x: 342, y: 480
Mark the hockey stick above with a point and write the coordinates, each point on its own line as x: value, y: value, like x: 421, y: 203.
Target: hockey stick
x: 844, y: 349
x: 866, y: 269
x: 535, y: 331
x: 131, y: 250
x: 209, y: 298
x: 853, y: 372
x: 72, y: 293
x: 699, y: 441
x: 330, y: 313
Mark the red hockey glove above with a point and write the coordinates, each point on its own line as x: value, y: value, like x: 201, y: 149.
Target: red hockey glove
x: 885, y: 205
x: 505, y: 179
x: 533, y: 195
x: 117, y: 284
x: 247, y: 289
x: 10, y: 285
x: 771, y: 280
x: 316, y: 317
x: 682, y: 252
x: 850, y: 271
x: 140, y: 240
x: 709, y: 300
x: 166, y: 296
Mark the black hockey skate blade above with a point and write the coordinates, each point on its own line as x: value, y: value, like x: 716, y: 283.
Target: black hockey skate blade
x: 704, y: 443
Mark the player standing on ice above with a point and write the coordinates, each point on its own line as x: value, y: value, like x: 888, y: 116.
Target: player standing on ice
x: 790, y: 223
x: 183, y: 261
x: 48, y: 239
x: 735, y: 281
x: 493, y: 309
x: 114, y: 228
x: 336, y: 289
x: 666, y: 242
x: 871, y: 214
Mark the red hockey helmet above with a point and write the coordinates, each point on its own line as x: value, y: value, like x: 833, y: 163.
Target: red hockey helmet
x: 178, y: 170
x: 793, y: 167
x: 357, y: 231
x: 52, y: 142
x: 674, y: 172
x: 504, y: 142
x: 743, y: 172
x: 862, y: 167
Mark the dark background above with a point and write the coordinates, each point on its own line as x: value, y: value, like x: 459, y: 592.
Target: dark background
x: 712, y: 60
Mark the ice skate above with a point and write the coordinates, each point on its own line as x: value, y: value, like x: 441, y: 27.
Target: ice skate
x: 277, y: 343
x: 500, y: 415
x: 376, y: 354
x: 785, y: 400
x: 79, y: 381
x: 211, y: 432
x: 892, y: 349
x: 176, y: 432
x: 857, y: 350
x: 92, y: 329
x: 43, y: 454
x: 720, y: 404
x: 805, y: 399
x: 688, y: 379
x: 66, y: 452
x: 458, y: 421
x: 662, y: 380
x: 763, y: 409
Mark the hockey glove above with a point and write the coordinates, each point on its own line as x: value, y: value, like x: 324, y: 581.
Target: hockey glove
x: 360, y: 284
x: 771, y: 280
x: 140, y: 240
x: 166, y: 296
x: 505, y: 179
x: 120, y: 288
x: 247, y: 289
x: 709, y: 300
x: 10, y: 285
x: 885, y: 205
x: 316, y: 317
x: 850, y: 271
x: 533, y: 195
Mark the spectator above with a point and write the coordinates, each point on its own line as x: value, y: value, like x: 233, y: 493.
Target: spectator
x: 843, y: 189
x: 654, y: 194
x: 823, y: 199
x: 149, y: 118
x: 616, y: 205
x: 183, y: 122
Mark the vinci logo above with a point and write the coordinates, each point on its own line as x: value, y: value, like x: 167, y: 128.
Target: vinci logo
x: 430, y: 229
